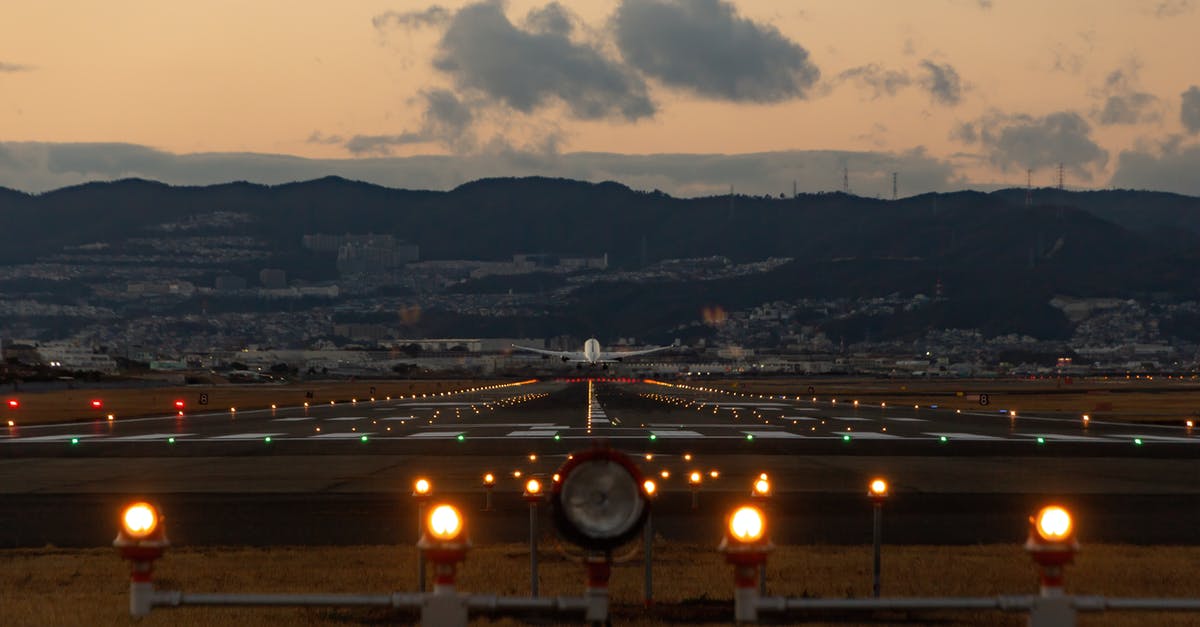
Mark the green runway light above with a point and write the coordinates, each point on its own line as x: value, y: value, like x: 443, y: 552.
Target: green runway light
x: 461, y: 437
x: 267, y: 439
x: 74, y: 441
x: 845, y: 438
x: 1041, y: 440
x: 653, y: 436
x: 363, y: 438
x: 170, y: 440
x: 943, y: 439
x: 749, y: 436
x: 557, y: 437
x: 1137, y: 441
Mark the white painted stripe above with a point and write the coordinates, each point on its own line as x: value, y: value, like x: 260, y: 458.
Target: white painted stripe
x: 297, y: 419
x: 436, y: 434
x: 677, y: 433
x: 772, y: 434
x: 244, y: 436
x: 599, y: 420
x: 897, y: 419
x: 965, y: 436
x: 148, y: 436
x: 399, y: 418
x: 53, y: 438
x: 530, y: 434
x: 340, y: 436
x: 849, y: 418
x: 799, y: 418
x: 346, y: 418
x: 1059, y: 437
x: 1156, y: 438
x: 870, y: 435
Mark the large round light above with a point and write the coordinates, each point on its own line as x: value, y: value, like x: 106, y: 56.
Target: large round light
x: 444, y: 523
x: 139, y: 520
x: 600, y: 502
x: 747, y: 524
x: 1054, y: 524
x: 879, y: 487
x: 422, y: 487
x: 762, y: 487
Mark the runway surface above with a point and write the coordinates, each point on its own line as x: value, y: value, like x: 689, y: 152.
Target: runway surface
x: 342, y: 473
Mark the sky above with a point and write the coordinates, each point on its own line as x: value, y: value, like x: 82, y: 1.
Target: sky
x: 686, y: 96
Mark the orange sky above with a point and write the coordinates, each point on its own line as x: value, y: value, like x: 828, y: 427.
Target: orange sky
x: 264, y: 76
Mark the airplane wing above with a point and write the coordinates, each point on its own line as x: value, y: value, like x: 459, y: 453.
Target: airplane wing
x: 563, y: 355
x: 618, y: 356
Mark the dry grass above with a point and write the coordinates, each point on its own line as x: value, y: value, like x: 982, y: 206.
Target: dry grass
x: 88, y: 587
x: 62, y: 405
x: 1133, y: 399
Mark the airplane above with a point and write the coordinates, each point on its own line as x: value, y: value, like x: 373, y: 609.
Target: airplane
x: 592, y: 355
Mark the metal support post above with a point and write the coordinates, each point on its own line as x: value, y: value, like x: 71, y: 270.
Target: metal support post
x: 533, y: 550
x: 599, y: 568
x: 487, y: 499
x: 648, y: 561
x: 745, y: 593
x: 420, y: 552
x: 878, y: 542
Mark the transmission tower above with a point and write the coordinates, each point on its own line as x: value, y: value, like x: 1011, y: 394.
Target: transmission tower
x: 1029, y: 187
x: 1060, y: 176
x: 846, y: 179
x: 894, y: 186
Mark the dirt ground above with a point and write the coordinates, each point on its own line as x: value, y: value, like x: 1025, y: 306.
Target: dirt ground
x: 89, y: 587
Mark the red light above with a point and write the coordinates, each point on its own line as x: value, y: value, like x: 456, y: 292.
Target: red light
x: 13, y: 403
x: 96, y: 404
x: 179, y: 404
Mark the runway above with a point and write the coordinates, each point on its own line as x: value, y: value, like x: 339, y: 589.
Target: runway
x: 552, y: 417
x: 342, y: 473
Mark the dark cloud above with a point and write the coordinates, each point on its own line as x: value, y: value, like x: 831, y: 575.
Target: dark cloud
x: 1123, y: 103
x: 433, y: 16
x: 880, y: 81
x: 1189, y: 109
x: 37, y: 167
x: 705, y: 47
x: 552, y: 19
x: 525, y: 70
x: 446, y: 121
x: 1171, y: 168
x: 1024, y: 141
x: 318, y: 137
x: 942, y: 82
x: 14, y: 67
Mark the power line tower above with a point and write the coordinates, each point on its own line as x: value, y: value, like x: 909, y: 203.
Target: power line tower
x: 846, y: 179
x: 1029, y: 187
x: 894, y: 186
x: 1060, y: 176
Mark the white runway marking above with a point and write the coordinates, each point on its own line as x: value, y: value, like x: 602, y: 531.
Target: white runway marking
x: 148, y: 436
x: 1156, y: 438
x: 600, y: 420
x: 244, y: 436
x: 906, y: 419
x: 436, y: 434
x: 540, y: 433
x: 965, y: 436
x: 399, y: 418
x: 346, y: 418
x: 772, y: 434
x: 799, y: 418
x: 849, y: 418
x: 1060, y: 437
x: 680, y: 433
x: 297, y: 419
x: 870, y: 435
x: 53, y: 438
x: 340, y: 436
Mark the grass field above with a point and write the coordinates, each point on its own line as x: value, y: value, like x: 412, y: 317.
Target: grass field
x: 89, y: 587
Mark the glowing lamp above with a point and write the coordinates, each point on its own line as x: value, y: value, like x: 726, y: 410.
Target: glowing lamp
x: 747, y: 524
x: 97, y: 403
x: 139, y: 520
x: 649, y: 487
x: 533, y: 487
x: 877, y: 489
x: 666, y: 474
x: 422, y: 487
x: 714, y: 474
x: 444, y: 523
x: 178, y: 404
x: 762, y: 487
x: 695, y: 478
x: 13, y: 403
x: 489, y: 480
x: 1053, y: 524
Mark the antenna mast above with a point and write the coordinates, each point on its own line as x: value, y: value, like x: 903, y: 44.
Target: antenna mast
x: 1029, y: 187
x: 846, y: 179
x: 894, y: 187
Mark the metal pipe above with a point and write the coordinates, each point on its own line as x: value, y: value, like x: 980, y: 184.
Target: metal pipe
x: 878, y: 542
x: 1081, y: 603
x: 1007, y: 603
x: 399, y: 600
x: 486, y: 602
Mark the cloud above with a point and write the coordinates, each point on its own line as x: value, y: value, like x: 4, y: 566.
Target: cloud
x: 1168, y: 8
x: 432, y: 16
x: 1024, y: 141
x: 942, y: 82
x: 1123, y: 103
x: 1189, y: 109
x: 705, y: 47
x: 552, y: 19
x: 446, y: 120
x: 881, y: 82
x: 14, y: 67
x: 1171, y: 168
x: 483, y: 52
x: 37, y: 167
x: 318, y: 137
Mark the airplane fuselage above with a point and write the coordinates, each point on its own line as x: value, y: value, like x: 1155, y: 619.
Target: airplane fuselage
x: 591, y: 351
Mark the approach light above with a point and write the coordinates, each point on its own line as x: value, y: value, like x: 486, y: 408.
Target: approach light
x: 532, y: 457
x: 762, y: 487
x: 649, y: 487
x: 533, y: 487
x: 97, y: 403
x: 422, y: 487
x: 516, y: 474
x: 714, y: 474
x: 687, y: 457
x: 1053, y: 524
x: 747, y: 524
x: 695, y: 477
x: 878, y: 488
x: 139, y: 520
x: 649, y: 457
x: 112, y: 417
x: 13, y: 403
x: 12, y: 423
x: 489, y: 480
x: 601, y: 502
x: 179, y: 405
x: 666, y: 474
x: 444, y: 523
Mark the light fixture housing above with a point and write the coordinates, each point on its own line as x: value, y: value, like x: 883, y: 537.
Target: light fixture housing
x: 601, y: 502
